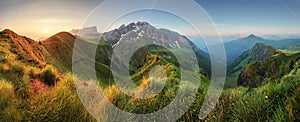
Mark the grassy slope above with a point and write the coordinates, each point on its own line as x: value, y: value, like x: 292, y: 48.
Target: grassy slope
x: 19, y: 103
x: 276, y: 99
x: 61, y: 46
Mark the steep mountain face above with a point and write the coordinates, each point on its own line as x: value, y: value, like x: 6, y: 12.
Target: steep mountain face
x: 258, y: 52
x: 27, y: 49
x: 276, y: 66
x: 113, y: 36
x: 141, y: 31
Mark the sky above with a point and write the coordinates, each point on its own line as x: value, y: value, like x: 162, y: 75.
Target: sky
x: 43, y: 18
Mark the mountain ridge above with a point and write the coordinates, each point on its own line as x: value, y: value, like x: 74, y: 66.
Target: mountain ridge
x: 27, y: 49
x: 143, y: 31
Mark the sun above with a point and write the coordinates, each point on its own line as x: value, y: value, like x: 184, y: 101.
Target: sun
x: 46, y: 30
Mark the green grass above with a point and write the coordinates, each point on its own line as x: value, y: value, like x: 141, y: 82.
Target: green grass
x: 60, y: 103
x: 48, y: 75
x: 230, y: 81
x: 8, y: 103
x: 273, y: 68
x: 273, y: 101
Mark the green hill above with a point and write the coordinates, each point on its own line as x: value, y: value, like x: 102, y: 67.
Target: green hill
x: 278, y: 65
x: 258, y: 52
x: 61, y: 46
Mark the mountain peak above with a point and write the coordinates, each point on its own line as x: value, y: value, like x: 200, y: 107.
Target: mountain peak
x: 133, y: 25
x: 57, y: 37
x: 139, y: 24
x: 9, y: 32
x: 252, y: 36
x: 64, y: 33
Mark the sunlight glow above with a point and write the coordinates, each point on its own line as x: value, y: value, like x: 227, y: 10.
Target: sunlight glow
x: 46, y: 30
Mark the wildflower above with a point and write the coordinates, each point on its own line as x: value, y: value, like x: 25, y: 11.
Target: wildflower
x: 266, y: 97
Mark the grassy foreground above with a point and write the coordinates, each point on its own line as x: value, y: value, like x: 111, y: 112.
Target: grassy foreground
x: 58, y: 101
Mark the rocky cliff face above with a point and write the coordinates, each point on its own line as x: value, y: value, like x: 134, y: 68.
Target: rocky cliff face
x: 113, y: 36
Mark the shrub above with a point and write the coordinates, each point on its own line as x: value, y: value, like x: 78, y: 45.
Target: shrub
x: 3, y: 59
x: 48, y: 75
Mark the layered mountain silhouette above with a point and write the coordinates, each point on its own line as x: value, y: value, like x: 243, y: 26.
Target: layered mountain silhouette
x: 235, y: 48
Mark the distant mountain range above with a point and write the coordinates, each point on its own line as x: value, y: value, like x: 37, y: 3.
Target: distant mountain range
x: 280, y: 37
x: 237, y: 47
x: 58, y: 49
